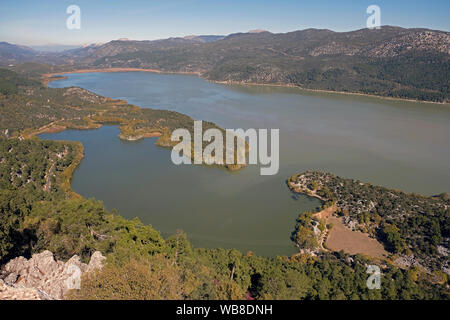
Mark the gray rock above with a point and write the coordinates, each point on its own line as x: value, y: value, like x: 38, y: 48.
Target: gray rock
x: 44, y: 277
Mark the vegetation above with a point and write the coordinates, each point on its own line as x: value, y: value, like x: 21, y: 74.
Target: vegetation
x: 408, y: 224
x: 304, y: 236
x: 28, y: 108
x: 392, y: 61
x: 39, y: 211
x: 31, y: 171
x: 10, y: 82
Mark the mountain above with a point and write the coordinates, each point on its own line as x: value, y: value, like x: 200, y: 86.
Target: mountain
x: 54, y: 47
x: 91, y: 53
x: 12, y: 53
x: 391, y: 61
x: 204, y: 39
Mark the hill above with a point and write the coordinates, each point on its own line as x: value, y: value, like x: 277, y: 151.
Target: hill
x: 391, y: 61
x: 10, y: 53
x: 415, y: 229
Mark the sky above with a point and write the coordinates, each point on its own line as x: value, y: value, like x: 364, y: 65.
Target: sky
x: 43, y: 22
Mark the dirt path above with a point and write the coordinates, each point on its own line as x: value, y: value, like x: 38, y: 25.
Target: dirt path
x: 48, y: 176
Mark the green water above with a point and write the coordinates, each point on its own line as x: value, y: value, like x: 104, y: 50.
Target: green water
x: 402, y: 145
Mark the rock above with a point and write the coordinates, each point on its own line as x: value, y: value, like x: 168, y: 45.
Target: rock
x: 42, y: 277
x: 96, y: 262
x: 11, y: 278
x: 409, y: 261
x: 443, y: 251
x: 12, y: 293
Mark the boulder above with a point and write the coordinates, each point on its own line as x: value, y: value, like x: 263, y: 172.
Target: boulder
x: 42, y: 277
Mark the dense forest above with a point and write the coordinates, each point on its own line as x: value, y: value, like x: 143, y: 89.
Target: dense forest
x: 30, y: 171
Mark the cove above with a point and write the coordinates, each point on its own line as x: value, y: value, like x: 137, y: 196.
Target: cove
x: 396, y: 144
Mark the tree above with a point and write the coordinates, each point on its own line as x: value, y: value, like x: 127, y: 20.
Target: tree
x: 393, y: 238
x: 305, y: 238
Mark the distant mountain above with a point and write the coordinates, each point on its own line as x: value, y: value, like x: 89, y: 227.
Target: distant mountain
x: 257, y: 31
x: 391, y: 61
x: 10, y: 53
x: 204, y: 39
x: 53, y: 47
x: 89, y: 54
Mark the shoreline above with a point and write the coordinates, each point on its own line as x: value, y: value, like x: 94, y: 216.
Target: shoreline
x: 48, y: 77
x: 281, y: 85
x: 339, y: 236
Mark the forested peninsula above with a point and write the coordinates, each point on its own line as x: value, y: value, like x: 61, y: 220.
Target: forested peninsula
x: 392, y: 62
x: 29, y: 108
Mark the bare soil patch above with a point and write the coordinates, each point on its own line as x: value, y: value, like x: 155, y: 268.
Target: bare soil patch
x: 352, y: 242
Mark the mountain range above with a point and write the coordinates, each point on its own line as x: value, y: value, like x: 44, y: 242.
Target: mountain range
x: 391, y: 61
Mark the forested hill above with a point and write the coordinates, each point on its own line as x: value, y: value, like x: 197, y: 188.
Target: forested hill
x: 10, y: 52
x: 413, y: 228
x: 392, y: 61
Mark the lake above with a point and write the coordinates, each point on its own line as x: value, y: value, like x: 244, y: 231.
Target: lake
x: 398, y: 144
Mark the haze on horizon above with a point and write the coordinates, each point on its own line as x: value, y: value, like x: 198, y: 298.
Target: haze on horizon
x: 41, y: 23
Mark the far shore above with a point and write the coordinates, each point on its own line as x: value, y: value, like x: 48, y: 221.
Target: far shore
x: 48, y: 77
x: 327, y: 91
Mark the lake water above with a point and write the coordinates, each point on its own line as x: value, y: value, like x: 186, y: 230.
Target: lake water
x: 403, y: 145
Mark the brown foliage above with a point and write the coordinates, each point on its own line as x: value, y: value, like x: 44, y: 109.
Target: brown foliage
x: 137, y: 280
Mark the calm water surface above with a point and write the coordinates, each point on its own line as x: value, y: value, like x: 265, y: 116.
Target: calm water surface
x: 402, y: 145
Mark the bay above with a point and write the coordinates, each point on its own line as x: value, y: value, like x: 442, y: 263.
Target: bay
x: 398, y: 144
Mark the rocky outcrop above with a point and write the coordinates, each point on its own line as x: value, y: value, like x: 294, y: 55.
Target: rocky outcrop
x: 421, y: 41
x: 44, y: 278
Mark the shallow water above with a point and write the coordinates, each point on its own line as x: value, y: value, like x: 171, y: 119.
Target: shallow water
x: 403, y: 145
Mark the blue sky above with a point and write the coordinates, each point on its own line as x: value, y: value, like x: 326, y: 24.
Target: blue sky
x: 39, y: 22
